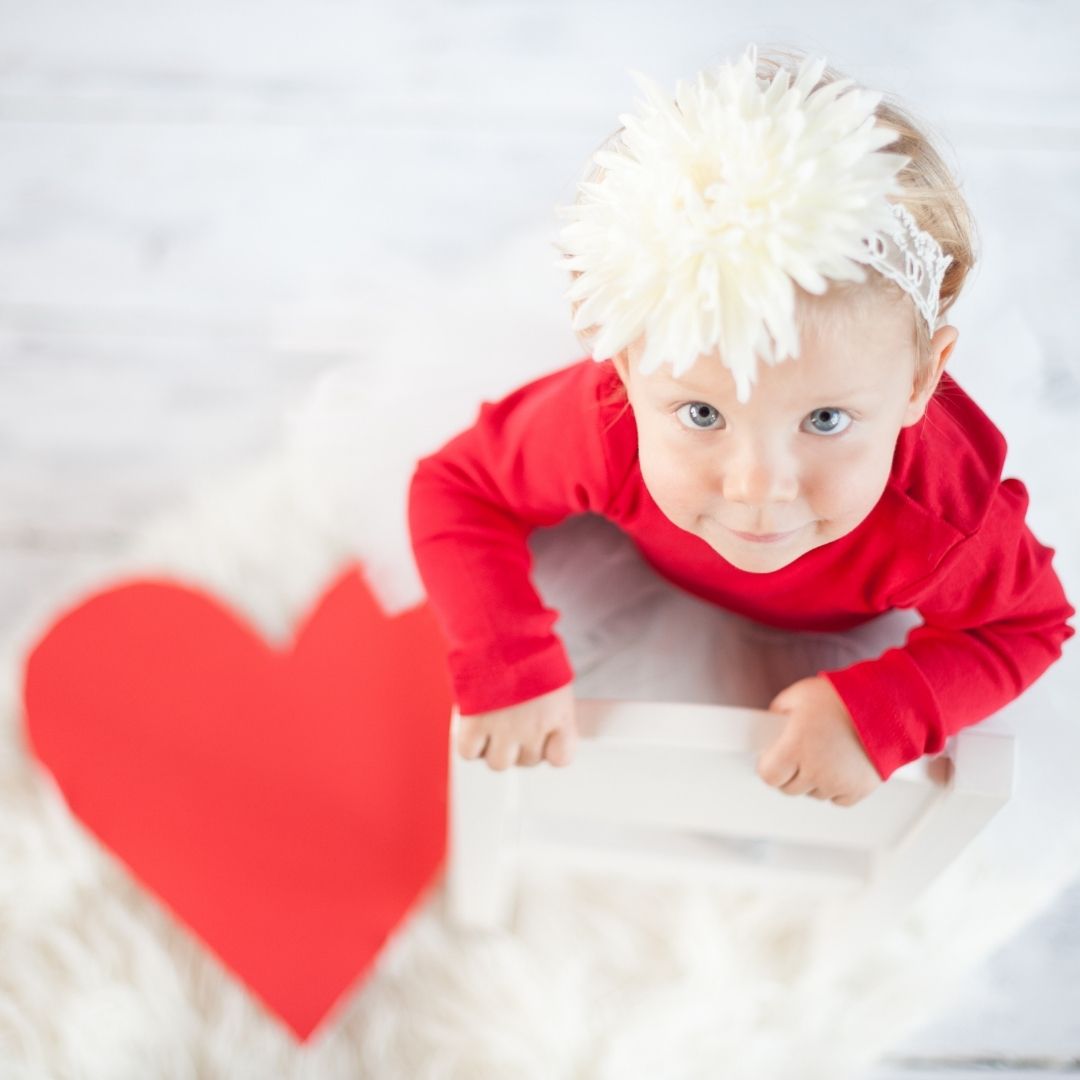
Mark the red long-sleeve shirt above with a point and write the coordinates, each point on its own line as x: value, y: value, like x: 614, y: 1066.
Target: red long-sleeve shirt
x: 947, y: 537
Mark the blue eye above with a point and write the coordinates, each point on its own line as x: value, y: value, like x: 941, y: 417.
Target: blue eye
x: 701, y: 417
x: 833, y: 421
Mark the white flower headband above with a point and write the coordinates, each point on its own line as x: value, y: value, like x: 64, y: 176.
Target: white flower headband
x: 715, y: 203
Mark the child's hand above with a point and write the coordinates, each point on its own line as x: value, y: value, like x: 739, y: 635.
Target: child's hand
x: 818, y: 753
x: 540, y: 729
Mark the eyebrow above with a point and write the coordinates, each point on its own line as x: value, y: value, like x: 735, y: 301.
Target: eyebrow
x: 679, y: 390
x: 669, y: 385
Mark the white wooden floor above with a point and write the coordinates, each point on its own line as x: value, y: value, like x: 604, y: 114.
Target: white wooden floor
x: 993, y: 1067
x: 203, y: 204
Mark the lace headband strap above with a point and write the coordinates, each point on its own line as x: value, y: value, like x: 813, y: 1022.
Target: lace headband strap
x: 913, y: 259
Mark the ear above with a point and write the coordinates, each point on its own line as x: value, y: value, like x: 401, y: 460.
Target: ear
x: 941, y: 346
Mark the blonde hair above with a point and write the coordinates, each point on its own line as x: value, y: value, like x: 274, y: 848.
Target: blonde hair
x: 930, y: 193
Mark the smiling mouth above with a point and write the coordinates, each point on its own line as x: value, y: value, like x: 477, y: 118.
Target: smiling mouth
x: 763, y: 538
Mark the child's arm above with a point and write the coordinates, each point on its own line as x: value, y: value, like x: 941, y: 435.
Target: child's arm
x: 531, y: 459
x: 995, y: 619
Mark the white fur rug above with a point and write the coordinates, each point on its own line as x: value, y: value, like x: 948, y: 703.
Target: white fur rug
x: 599, y: 978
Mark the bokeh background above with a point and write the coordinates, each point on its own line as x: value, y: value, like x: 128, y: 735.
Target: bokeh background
x: 204, y: 205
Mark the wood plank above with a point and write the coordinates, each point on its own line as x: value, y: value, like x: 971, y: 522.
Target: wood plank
x: 321, y: 59
x: 992, y: 1068
x: 100, y: 432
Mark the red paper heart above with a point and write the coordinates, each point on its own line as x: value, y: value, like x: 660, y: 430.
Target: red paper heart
x: 288, y: 806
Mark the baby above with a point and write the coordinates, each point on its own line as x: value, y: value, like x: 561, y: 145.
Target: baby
x: 771, y: 424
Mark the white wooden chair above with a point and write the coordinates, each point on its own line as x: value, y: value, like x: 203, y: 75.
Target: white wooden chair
x: 662, y: 788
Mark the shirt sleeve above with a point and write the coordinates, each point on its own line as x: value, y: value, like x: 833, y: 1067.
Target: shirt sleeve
x: 994, y: 616
x: 531, y: 459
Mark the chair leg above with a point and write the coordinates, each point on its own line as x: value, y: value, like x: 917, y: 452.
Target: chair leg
x: 480, y: 843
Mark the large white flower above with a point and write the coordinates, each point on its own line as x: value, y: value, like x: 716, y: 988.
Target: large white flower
x: 712, y: 205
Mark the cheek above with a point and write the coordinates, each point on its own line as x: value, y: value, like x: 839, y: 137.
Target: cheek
x: 667, y: 484
x: 850, y: 483
x: 671, y: 477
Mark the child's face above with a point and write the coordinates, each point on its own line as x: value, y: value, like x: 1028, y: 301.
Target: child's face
x: 807, y: 457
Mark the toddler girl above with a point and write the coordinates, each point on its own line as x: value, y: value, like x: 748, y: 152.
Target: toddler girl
x: 765, y: 412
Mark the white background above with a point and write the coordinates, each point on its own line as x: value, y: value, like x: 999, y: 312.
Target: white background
x: 203, y: 205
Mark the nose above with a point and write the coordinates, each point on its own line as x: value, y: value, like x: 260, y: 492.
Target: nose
x: 758, y: 473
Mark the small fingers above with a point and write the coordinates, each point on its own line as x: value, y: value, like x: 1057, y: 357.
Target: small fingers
x: 822, y: 794
x: 475, y: 741
x: 794, y: 782
x: 530, y: 755
x: 776, y: 772
x: 798, y: 785
x: 840, y: 800
x: 846, y: 800
x: 518, y: 739
x: 502, y: 753
x: 784, y: 776
x: 471, y: 740
x: 559, y: 747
